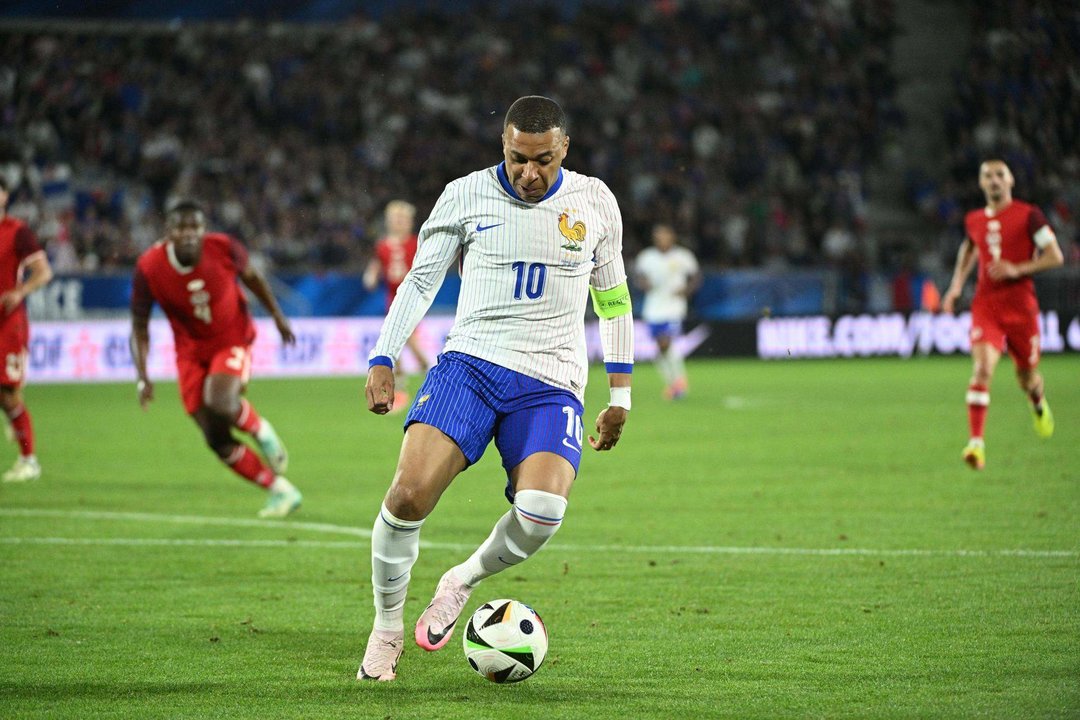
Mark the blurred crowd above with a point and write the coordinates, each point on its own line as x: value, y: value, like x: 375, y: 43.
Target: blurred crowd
x: 747, y: 125
x: 1017, y: 98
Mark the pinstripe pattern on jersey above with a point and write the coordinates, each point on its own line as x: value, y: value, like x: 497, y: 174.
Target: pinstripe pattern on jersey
x: 542, y: 336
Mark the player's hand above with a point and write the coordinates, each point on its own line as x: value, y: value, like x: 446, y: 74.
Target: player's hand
x: 609, y: 425
x: 1003, y: 270
x: 948, y: 303
x: 379, y: 389
x: 145, y: 392
x: 11, y: 300
x: 285, y: 330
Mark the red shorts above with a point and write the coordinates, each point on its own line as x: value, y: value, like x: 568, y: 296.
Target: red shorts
x: 13, y: 353
x: 1017, y: 332
x: 192, y: 374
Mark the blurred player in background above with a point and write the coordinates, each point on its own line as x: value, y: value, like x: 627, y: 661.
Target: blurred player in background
x: 394, y: 254
x: 24, y: 268
x: 193, y: 276
x: 1011, y: 241
x: 669, y: 275
x: 535, y: 242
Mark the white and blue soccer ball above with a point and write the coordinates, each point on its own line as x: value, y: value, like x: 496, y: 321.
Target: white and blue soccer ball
x: 505, y: 641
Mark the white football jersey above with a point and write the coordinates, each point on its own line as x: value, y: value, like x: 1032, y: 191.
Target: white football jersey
x: 668, y: 274
x: 526, y: 269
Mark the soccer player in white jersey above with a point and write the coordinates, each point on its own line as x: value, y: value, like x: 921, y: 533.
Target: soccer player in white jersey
x: 669, y: 275
x: 534, y: 242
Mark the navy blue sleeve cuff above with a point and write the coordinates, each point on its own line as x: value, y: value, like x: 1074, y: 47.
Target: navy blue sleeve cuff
x: 380, y: 360
x: 627, y: 368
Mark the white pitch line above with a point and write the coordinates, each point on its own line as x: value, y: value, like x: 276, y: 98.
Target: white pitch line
x: 360, y: 532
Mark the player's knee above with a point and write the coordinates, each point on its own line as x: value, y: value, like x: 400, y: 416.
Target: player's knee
x: 223, y: 406
x: 408, y: 501
x: 10, y: 399
x: 539, y: 514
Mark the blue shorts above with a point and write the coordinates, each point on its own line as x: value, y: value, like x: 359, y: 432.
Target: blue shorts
x: 472, y: 401
x: 671, y: 329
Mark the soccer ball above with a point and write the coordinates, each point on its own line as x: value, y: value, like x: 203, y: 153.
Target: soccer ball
x: 505, y: 641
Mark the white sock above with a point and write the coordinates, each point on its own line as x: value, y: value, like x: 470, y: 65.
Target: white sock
x: 517, y: 535
x: 663, y: 364
x: 280, y: 484
x: 395, y: 545
x: 675, y: 363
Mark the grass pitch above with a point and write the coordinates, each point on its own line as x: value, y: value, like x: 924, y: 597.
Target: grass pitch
x: 793, y: 540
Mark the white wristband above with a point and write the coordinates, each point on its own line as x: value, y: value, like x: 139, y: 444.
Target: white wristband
x: 620, y: 397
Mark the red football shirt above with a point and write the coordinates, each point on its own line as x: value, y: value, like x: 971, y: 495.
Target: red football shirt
x: 205, y: 306
x: 1008, y: 235
x: 397, y: 259
x: 17, y: 245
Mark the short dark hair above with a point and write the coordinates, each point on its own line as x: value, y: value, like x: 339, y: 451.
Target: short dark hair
x: 535, y: 114
x: 185, y: 205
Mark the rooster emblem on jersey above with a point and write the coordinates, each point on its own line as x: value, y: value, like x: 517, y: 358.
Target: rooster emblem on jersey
x: 574, y: 234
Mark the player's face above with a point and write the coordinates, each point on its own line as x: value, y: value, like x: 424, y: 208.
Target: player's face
x: 185, y: 231
x: 533, y: 160
x: 399, y: 222
x: 996, y: 181
x: 663, y: 238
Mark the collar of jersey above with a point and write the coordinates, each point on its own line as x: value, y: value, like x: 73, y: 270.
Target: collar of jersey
x: 169, y: 253
x: 504, y: 180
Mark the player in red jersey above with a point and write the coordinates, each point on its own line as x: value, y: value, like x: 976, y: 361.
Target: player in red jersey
x: 20, y: 254
x: 393, y: 259
x: 1011, y: 241
x: 193, y: 276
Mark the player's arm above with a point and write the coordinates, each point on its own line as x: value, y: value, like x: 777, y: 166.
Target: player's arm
x: 439, y: 241
x: 611, y: 301
x: 1048, y: 256
x: 372, y: 273
x: 38, y: 271
x: 255, y: 281
x: 966, y: 257
x: 142, y: 302
x: 694, y: 280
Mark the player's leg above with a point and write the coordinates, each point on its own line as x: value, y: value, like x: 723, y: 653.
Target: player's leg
x: 26, y: 466
x: 428, y: 462
x: 417, y: 350
x: 680, y: 384
x: 540, y: 444
x: 447, y: 430
x: 237, y: 361
x: 984, y: 357
x: 221, y: 404
x: 662, y: 362
x: 1023, y: 343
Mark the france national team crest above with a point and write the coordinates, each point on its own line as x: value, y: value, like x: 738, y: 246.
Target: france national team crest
x: 574, y: 234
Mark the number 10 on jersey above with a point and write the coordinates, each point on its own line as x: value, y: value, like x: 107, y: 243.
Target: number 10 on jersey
x: 531, y: 280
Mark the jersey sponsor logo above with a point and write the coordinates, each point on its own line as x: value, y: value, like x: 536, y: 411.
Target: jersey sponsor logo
x: 481, y: 228
x: 574, y: 234
x: 195, y: 285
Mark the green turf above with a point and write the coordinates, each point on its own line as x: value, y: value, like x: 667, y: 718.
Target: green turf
x: 761, y: 462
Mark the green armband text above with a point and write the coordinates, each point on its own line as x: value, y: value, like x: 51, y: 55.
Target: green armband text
x: 611, y: 303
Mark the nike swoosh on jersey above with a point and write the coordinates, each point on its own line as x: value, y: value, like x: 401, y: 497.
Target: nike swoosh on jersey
x: 567, y: 444
x: 482, y: 228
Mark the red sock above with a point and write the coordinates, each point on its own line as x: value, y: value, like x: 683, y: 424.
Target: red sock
x: 247, y: 419
x: 978, y: 400
x: 247, y: 465
x: 23, y: 429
